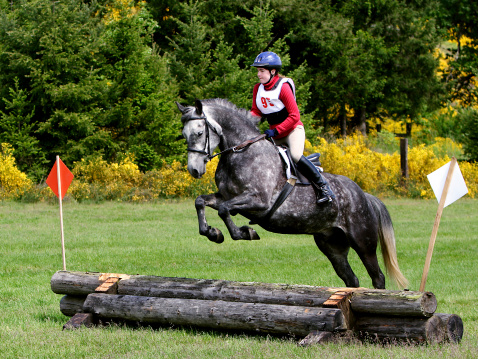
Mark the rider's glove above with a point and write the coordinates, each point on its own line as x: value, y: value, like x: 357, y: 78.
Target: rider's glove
x: 271, y: 133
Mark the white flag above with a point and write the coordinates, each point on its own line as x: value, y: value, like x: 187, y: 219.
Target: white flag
x: 457, y: 187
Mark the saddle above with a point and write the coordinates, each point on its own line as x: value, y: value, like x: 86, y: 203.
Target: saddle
x: 291, y: 169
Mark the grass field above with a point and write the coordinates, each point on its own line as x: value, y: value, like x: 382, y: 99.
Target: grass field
x: 162, y: 239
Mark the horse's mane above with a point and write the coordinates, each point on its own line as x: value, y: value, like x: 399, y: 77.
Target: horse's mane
x: 222, y: 102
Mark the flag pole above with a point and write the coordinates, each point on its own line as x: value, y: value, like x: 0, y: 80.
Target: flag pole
x: 433, y: 237
x: 61, y: 212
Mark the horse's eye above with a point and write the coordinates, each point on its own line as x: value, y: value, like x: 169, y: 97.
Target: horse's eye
x: 200, y: 133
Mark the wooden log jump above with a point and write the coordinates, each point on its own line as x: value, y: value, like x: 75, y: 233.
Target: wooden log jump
x: 261, y: 307
x: 266, y: 318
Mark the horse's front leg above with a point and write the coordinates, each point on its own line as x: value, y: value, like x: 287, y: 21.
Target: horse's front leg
x: 245, y: 203
x: 210, y: 200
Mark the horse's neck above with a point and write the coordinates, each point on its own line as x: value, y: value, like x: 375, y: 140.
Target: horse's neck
x: 233, y: 136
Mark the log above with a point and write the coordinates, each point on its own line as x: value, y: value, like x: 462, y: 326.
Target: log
x: 249, y: 292
x: 402, y: 303
x: 452, y: 326
x: 383, y: 302
x: 410, y: 329
x: 257, y: 317
x: 84, y: 283
x: 79, y: 283
x: 71, y: 304
x: 75, y: 283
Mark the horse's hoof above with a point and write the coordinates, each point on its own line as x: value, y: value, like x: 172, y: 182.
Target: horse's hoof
x: 253, y: 234
x: 249, y: 233
x: 216, y: 236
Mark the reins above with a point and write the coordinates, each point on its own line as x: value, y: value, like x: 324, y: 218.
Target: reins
x: 207, y: 146
x: 240, y: 147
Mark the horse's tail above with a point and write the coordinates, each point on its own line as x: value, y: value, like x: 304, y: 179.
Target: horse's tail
x: 387, y: 242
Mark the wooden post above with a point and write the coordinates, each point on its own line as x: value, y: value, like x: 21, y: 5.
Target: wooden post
x: 61, y: 211
x: 404, y: 157
x: 433, y: 237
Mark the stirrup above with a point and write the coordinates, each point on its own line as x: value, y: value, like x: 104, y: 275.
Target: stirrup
x: 324, y: 194
x: 323, y: 198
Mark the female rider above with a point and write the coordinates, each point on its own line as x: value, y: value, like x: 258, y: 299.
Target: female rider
x: 274, y: 100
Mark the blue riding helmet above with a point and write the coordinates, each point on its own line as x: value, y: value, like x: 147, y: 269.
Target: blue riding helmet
x: 268, y: 60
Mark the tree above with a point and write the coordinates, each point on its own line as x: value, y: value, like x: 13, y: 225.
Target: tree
x: 460, y: 18
x: 17, y: 129
x: 364, y: 57
x: 91, y: 75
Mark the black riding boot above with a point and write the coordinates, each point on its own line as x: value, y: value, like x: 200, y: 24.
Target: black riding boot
x: 324, y: 193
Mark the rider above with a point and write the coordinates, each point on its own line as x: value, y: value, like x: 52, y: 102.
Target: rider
x: 275, y: 101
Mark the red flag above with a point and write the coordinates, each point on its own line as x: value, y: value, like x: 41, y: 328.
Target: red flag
x: 65, y: 176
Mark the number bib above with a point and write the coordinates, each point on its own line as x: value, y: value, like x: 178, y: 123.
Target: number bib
x: 268, y: 101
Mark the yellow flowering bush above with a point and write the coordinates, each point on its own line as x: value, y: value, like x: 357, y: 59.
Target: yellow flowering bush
x: 13, y: 182
x: 421, y: 162
x: 380, y: 173
x: 118, y: 9
x: 470, y: 174
x: 98, y: 170
x: 377, y: 173
x: 372, y: 171
x: 96, y: 179
x: 175, y: 181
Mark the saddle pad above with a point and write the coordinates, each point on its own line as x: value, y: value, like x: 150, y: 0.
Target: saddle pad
x: 291, y: 168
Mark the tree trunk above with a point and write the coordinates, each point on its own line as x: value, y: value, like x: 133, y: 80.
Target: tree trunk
x: 403, y: 303
x: 453, y: 327
x: 361, y: 120
x: 249, y: 292
x: 268, y: 318
x: 343, y: 122
x: 70, y: 305
x: 413, y: 329
x: 75, y: 283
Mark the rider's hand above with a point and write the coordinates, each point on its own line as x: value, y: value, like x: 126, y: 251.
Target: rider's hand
x: 271, y: 133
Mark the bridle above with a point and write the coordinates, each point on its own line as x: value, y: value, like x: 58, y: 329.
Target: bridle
x: 207, y: 146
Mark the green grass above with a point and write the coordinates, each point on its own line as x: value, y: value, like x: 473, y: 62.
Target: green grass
x: 162, y: 239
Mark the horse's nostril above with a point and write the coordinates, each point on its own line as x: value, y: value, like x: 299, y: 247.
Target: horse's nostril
x: 195, y: 173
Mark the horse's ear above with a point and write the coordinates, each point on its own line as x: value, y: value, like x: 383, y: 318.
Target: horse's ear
x: 180, y: 107
x: 198, y: 107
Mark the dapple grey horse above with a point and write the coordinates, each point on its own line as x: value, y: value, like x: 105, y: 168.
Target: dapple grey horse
x: 250, y: 176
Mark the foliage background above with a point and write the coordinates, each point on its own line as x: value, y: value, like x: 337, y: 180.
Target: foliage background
x: 375, y: 172
x: 99, y: 78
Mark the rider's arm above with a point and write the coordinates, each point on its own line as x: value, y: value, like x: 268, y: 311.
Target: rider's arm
x: 288, y: 99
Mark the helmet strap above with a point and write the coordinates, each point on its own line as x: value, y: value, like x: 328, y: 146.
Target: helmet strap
x: 272, y: 75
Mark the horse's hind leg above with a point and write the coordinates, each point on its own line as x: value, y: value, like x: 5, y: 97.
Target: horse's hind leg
x: 367, y: 251
x: 335, y: 246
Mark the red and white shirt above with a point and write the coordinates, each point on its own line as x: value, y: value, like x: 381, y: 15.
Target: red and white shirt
x: 276, y: 102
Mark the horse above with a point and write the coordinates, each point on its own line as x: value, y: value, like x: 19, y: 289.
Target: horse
x: 249, y: 178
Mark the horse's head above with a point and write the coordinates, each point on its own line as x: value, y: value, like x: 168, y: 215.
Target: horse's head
x: 202, y: 134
